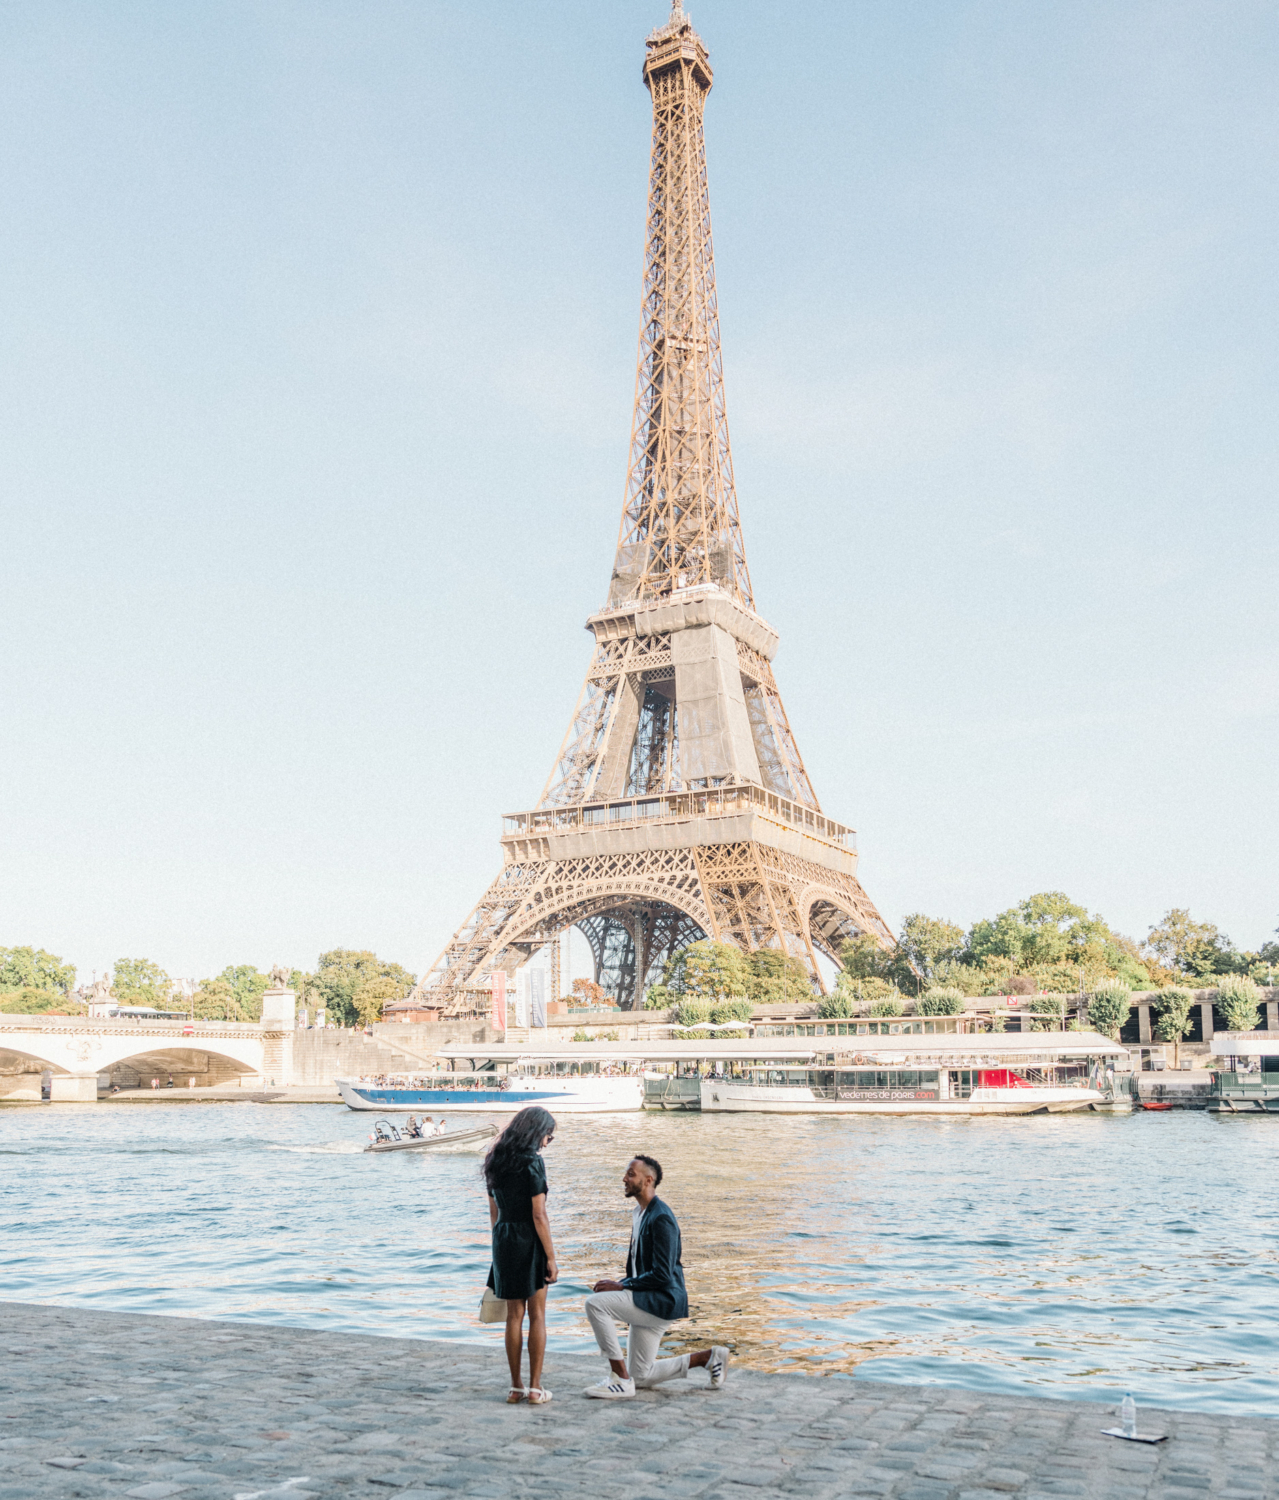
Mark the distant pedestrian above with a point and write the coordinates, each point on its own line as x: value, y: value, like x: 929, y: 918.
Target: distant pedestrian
x: 191, y: 1082
x: 648, y: 1300
x: 155, y: 1083
x: 524, y: 1262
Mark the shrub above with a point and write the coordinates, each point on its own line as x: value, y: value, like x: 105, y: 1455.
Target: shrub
x: 837, y: 1006
x: 581, y: 1036
x: 1174, y: 1014
x: 1108, y: 1008
x: 940, y: 1001
x: 30, y: 1001
x: 732, y: 1010
x: 693, y: 1013
x: 1240, y: 1002
x: 1052, y: 1013
x: 886, y: 1008
x: 660, y: 998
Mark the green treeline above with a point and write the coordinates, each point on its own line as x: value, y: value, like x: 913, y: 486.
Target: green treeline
x: 351, y: 985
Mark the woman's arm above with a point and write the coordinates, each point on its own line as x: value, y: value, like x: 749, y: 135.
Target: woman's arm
x: 492, y: 1210
x: 543, y: 1226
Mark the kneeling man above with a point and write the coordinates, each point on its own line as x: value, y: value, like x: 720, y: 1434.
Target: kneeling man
x: 648, y: 1300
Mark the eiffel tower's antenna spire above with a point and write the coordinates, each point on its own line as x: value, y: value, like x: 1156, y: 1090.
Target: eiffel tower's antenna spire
x: 680, y: 524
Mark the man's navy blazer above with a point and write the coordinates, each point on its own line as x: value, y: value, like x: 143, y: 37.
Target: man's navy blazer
x: 654, y: 1272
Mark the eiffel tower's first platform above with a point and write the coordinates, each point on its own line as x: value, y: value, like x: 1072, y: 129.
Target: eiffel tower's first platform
x: 679, y: 806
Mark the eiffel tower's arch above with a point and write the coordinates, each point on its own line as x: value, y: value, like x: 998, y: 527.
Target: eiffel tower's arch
x: 831, y: 919
x: 631, y: 925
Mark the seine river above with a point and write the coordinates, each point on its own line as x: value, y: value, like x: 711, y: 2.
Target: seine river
x: 1074, y: 1256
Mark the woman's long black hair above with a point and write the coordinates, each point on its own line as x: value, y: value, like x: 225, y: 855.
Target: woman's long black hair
x: 521, y: 1140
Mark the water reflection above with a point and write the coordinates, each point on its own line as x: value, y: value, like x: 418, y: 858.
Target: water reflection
x: 1057, y: 1253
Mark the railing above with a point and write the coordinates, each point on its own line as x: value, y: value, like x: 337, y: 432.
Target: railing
x: 713, y: 802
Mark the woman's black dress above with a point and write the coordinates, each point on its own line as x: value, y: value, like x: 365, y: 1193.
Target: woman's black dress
x: 519, y: 1261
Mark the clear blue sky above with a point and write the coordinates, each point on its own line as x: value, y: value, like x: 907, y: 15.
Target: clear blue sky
x: 316, y: 364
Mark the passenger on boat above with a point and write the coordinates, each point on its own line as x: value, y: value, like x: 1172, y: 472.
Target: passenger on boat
x: 413, y: 1129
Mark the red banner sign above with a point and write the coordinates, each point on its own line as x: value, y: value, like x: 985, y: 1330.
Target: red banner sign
x: 498, y: 1014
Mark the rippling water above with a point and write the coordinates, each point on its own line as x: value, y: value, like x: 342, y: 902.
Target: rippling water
x: 1065, y: 1255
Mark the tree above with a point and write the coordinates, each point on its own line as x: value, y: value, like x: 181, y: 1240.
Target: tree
x: 777, y: 978
x: 1108, y: 1009
x: 587, y: 993
x: 1189, y: 947
x: 372, y: 996
x: 248, y: 986
x: 940, y: 1002
x: 137, y: 981
x: 1173, y: 1021
x: 1043, y: 929
x: 1240, y: 1002
x: 926, y: 942
x: 33, y: 968
x: 863, y: 958
x: 713, y: 971
x: 29, y: 1001
x: 215, y: 1000
x: 341, y: 973
x: 1173, y: 1014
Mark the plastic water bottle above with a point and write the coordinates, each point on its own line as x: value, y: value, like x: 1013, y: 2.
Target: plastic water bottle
x: 1128, y: 1415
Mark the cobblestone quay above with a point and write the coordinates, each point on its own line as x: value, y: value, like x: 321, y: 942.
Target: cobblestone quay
x: 119, y: 1404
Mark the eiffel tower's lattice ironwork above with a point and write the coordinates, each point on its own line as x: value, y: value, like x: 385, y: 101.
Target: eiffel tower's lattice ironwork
x: 678, y: 806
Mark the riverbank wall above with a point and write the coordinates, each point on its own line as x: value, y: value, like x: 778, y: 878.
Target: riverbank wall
x: 100, y: 1404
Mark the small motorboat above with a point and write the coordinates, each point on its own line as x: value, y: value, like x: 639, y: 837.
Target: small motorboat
x: 1155, y: 1104
x: 388, y: 1137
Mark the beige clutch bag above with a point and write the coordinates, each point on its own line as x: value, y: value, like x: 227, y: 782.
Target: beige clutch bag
x: 492, y: 1309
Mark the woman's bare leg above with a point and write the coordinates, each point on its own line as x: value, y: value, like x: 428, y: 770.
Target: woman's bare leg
x: 515, y: 1340
x: 536, y: 1337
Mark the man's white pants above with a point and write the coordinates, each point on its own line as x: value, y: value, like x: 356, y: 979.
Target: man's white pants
x: 644, y: 1336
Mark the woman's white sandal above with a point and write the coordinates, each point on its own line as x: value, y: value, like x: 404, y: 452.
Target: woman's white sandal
x: 515, y: 1395
x: 539, y: 1397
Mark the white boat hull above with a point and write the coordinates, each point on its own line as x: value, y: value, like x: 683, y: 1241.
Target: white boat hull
x: 720, y: 1096
x: 571, y: 1096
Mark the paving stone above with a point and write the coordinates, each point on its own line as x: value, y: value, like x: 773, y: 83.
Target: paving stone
x: 394, y: 1419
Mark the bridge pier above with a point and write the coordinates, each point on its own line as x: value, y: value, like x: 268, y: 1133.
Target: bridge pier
x: 74, y: 1088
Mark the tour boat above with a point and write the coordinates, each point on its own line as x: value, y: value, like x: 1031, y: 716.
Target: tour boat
x: 490, y: 1093
x: 1002, y: 1073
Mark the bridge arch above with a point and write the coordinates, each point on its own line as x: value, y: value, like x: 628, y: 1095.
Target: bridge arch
x: 83, y: 1052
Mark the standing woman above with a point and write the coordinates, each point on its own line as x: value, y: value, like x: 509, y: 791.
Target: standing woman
x: 523, y: 1255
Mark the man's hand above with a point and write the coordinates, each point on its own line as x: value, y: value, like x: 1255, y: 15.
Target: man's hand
x: 608, y: 1286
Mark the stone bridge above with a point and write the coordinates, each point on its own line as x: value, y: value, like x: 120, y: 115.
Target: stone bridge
x: 78, y: 1051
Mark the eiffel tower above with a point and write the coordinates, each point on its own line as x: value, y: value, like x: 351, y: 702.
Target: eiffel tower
x: 678, y: 807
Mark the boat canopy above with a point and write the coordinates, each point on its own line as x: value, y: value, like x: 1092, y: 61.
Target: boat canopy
x: 712, y: 1049
x: 953, y: 1049
x: 1245, y: 1043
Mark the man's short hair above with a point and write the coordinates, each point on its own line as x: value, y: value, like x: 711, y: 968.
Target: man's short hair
x: 653, y: 1165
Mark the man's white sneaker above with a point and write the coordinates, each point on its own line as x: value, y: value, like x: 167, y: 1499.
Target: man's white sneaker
x: 612, y: 1389
x: 717, y: 1366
